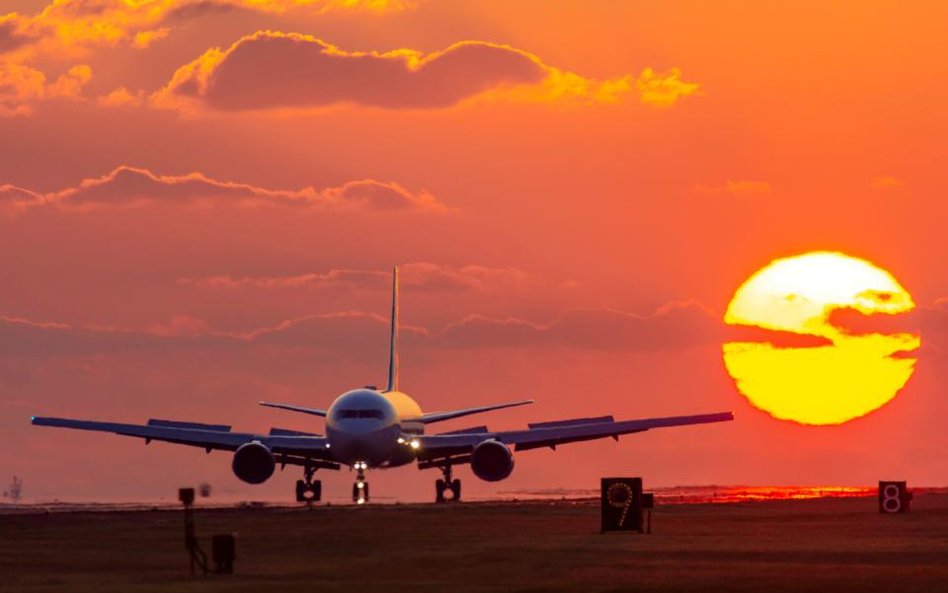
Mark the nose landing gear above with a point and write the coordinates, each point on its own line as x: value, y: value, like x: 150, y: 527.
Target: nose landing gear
x: 447, y: 485
x: 360, y: 490
x: 307, y: 489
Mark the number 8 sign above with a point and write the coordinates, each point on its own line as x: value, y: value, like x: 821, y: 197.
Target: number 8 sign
x: 894, y: 497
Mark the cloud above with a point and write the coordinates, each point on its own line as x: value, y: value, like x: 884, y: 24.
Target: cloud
x: 348, y: 331
x: 742, y: 187
x: 21, y: 337
x: 446, y: 278
x: 325, y: 6
x: 673, y: 327
x: 130, y: 186
x: 122, y: 97
x: 273, y: 70
x: 15, y: 199
x: 11, y: 37
x: 143, y: 39
x: 776, y: 338
x: 75, y: 24
x: 663, y: 89
x: 930, y: 322
x: 422, y: 275
x: 855, y: 322
x: 22, y: 87
x: 70, y: 84
x: 352, y: 278
x: 680, y: 325
x: 71, y: 27
x: 342, y: 333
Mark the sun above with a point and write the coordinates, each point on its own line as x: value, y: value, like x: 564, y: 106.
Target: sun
x: 850, y: 376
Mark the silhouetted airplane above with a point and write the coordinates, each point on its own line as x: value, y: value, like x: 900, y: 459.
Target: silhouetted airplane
x: 370, y: 428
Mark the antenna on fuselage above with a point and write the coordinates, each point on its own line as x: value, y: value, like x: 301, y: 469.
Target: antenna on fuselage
x: 393, y: 339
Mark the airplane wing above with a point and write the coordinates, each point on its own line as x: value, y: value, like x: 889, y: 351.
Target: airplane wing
x: 288, y: 446
x: 436, y: 448
x: 441, y: 416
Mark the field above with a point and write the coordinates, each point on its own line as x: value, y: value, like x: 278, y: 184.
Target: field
x: 797, y: 545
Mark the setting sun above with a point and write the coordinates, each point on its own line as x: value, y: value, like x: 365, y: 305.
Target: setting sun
x: 829, y: 384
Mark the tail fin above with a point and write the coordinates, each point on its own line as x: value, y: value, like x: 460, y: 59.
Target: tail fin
x: 393, y: 340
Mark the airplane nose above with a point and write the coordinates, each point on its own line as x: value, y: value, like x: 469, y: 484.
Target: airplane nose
x: 374, y: 446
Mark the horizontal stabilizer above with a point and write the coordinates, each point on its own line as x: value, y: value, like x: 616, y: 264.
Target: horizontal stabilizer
x: 301, y: 409
x: 441, y: 416
x: 189, y: 425
x: 286, y: 432
x: 573, y: 422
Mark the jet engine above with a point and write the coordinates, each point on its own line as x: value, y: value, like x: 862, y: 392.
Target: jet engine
x: 491, y: 461
x: 253, y: 463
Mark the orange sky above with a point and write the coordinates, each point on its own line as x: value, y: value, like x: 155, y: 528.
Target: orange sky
x: 199, y: 202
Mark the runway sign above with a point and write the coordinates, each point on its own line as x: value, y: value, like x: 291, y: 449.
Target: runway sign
x: 621, y: 506
x: 894, y: 497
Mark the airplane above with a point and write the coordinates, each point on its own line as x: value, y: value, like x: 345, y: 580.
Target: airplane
x: 369, y: 428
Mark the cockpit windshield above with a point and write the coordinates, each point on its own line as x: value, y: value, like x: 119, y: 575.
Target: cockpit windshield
x: 364, y: 413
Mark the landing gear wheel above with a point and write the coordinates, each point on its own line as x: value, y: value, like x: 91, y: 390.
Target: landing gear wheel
x: 447, y: 484
x: 307, y: 489
x: 360, y: 492
x: 309, y: 492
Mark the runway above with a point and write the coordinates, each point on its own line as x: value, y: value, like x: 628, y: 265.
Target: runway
x: 789, y: 545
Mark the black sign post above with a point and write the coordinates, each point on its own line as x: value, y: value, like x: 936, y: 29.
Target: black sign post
x: 197, y: 556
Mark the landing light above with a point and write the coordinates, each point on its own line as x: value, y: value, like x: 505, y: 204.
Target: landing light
x: 401, y: 441
x: 415, y: 444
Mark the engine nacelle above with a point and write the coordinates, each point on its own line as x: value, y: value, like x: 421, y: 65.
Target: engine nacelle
x: 253, y: 463
x: 491, y: 461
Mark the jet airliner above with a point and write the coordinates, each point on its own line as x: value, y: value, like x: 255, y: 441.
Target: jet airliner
x: 370, y: 428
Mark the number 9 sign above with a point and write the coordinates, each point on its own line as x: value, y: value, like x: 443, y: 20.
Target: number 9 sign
x: 621, y: 505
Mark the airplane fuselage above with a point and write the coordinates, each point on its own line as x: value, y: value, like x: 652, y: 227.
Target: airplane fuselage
x: 373, y: 427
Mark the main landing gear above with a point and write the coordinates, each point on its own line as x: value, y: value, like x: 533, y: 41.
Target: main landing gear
x: 360, y: 490
x: 447, y: 485
x: 307, y: 489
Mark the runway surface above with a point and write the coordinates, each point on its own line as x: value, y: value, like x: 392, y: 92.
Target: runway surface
x: 837, y: 544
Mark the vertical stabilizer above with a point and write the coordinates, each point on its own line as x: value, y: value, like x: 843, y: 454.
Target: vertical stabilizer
x: 393, y: 339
